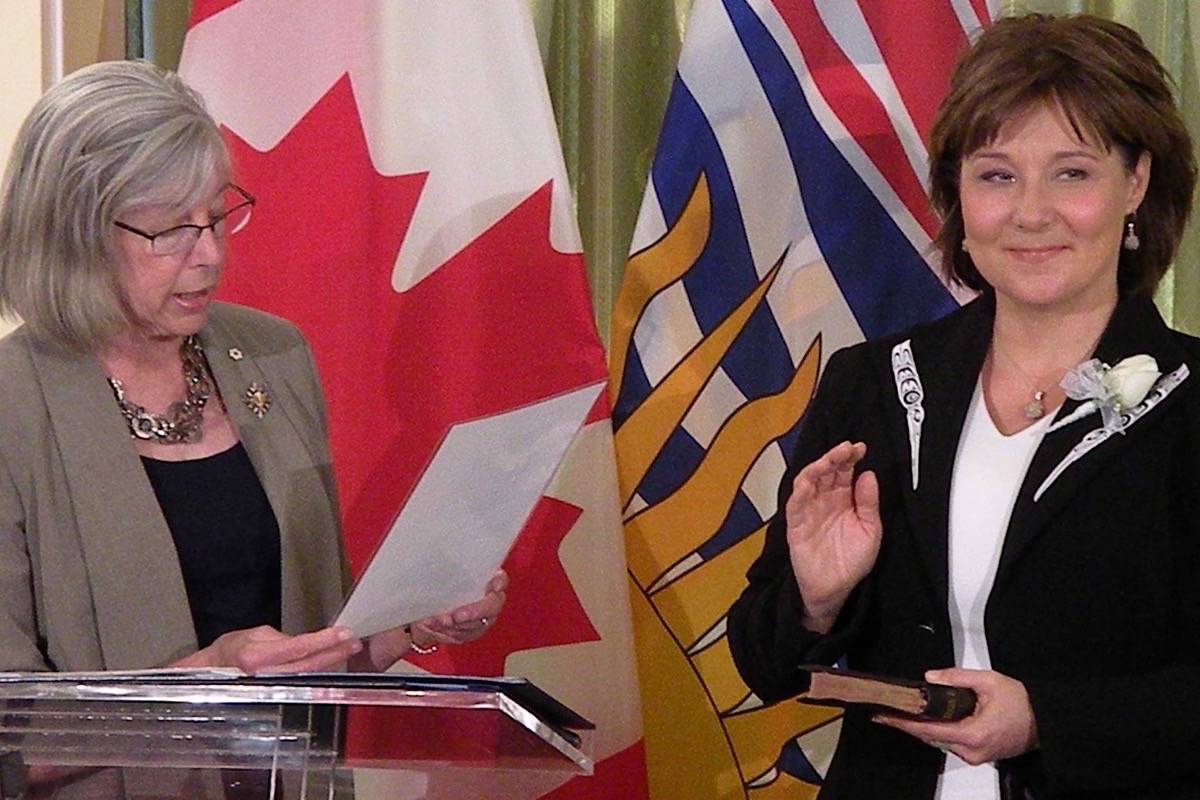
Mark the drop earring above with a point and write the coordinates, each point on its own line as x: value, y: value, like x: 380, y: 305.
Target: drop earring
x: 1131, y: 240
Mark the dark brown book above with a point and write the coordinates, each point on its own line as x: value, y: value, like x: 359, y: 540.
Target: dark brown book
x: 915, y: 699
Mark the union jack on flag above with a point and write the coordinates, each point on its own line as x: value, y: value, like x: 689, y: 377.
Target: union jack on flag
x: 786, y: 217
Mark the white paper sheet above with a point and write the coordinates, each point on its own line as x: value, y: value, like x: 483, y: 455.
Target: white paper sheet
x: 465, y: 513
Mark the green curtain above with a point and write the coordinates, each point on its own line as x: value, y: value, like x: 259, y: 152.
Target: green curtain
x: 154, y: 29
x: 610, y: 65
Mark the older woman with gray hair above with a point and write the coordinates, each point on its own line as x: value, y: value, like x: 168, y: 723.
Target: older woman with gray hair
x: 166, y: 492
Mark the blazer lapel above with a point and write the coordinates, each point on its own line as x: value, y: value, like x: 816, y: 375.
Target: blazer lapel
x: 274, y: 444
x: 947, y: 363
x: 130, y: 556
x: 237, y: 378
x: 1069, y: 456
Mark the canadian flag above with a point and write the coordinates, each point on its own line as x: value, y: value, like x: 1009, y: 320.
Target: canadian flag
x: 415, y: 220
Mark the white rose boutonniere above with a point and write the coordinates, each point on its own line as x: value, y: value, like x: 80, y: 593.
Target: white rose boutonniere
x: 1130, y: 379
x: 1113, y: 390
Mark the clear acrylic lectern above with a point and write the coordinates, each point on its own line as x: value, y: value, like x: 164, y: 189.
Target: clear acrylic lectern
x: 220, y: 735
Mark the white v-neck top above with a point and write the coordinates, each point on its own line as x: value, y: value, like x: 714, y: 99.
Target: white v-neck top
x: 988, y: 471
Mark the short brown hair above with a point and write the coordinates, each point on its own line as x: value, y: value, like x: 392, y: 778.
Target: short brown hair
x: 107, y: 139
x: 1113, y: 91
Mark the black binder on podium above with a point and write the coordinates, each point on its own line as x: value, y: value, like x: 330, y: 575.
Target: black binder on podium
x: 221, y: 734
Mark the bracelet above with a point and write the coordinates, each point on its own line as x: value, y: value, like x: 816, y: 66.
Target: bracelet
x: 416, y: 648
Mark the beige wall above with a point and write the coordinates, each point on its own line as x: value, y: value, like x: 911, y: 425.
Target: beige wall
x: 20, y: 64
x: 92, y: 30
x: 21, y: 68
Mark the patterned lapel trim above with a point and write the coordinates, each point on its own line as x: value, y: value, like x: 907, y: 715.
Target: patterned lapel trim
x: 911, y: 394
x: 1095, y: 438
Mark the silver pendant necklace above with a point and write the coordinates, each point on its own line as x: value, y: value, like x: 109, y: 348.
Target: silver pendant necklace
x: 184, y: 421
x: 1035, y: 408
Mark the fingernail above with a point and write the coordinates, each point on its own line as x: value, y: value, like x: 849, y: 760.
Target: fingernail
x: 356, y: 646
x: 344, y: 634
x: 462, y: 616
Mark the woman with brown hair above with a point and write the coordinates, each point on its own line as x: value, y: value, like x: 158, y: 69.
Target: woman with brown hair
x: 1007, y: 499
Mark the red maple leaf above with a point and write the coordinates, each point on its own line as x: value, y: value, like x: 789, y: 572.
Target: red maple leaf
x: 203, y: 9
x: 504, y: 323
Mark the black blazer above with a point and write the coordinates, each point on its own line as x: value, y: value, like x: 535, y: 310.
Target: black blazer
x: 1096, y: 600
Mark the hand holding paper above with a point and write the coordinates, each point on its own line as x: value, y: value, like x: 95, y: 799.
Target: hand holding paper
x: 462, y: 518
x: 462, y: 625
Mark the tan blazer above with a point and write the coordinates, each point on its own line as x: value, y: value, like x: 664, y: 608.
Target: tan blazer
x: 89, y: 577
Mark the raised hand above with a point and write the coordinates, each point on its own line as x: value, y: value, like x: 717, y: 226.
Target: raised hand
x: 833, y: 531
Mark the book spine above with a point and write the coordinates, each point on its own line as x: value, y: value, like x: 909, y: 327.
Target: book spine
x: 948, y: 703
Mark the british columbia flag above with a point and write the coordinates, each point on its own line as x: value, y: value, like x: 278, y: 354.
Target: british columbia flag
x: 786, y: 216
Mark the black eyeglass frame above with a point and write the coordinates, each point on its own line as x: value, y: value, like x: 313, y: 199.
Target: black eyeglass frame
x: 200, y: 229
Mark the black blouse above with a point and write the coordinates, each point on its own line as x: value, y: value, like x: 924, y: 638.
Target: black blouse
x: 227, y: 539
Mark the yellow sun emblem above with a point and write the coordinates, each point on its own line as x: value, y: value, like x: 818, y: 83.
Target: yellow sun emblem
x: 706, y: 734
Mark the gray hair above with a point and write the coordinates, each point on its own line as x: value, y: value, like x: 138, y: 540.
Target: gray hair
x: 106, y: 140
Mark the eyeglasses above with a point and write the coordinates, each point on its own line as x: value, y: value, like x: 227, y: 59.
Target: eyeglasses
x: 182, y: 238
